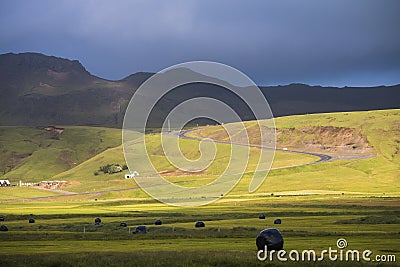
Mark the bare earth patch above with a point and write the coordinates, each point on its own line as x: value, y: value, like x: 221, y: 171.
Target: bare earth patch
x: 340, y: 141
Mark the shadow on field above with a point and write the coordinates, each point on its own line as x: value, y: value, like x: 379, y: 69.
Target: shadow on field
x: 157, y: 258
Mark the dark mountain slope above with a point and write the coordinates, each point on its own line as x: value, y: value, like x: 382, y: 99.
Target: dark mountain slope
x: 36, y: 89
x: 302, y: 99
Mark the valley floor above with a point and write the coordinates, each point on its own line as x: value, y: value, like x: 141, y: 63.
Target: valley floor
x: 64, y: 233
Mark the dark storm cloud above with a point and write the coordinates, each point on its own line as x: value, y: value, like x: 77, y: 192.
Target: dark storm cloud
x: 274, y: 42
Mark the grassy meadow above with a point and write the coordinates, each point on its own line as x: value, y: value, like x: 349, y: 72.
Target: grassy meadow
x: 352, y: 198
x: 58, y: 238
x: 34, y: 154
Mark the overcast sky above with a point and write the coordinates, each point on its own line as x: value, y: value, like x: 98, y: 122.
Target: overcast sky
x: 332, y: 42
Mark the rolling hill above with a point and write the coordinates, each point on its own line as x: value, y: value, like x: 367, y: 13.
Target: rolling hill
x: 39, y: 153
x: 92, y: 147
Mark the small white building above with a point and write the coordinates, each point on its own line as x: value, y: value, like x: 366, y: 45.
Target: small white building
x: 130, y: 175
x: 5, y: 183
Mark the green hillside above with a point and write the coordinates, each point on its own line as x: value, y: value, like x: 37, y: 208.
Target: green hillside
x: 381, y: 127
x: 84, y: 180
x: 32, y: 154
x: 77, y: 154
x: 367, y: 162
x: 377, y: 174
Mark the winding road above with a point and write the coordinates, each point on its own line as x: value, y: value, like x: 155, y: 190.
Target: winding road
x: 322, y: 157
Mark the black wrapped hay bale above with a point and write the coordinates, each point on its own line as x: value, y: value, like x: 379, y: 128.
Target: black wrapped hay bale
x: 277, y: 221
x: 97, y: 221
x: 261, y: 216
x: 140, y: 230
x: 199, y: 224
x: 2, y: 218
x: 123, y: 224
x: 3, y: 228
x: 271, y: 238
x: 158, y: 222
x: 31, y: 220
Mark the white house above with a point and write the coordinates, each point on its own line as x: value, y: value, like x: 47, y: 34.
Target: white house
x: 130, y: 175
x: 5, y: 183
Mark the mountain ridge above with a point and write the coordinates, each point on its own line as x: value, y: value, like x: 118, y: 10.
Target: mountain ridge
x: 36, y: 89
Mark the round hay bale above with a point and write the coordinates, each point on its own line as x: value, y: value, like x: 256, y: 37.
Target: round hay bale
x: 140, y: 230
x: 261, y: 216
x: 2, y: 218
x: 270, y: 237
x: 97, y: 221
x: 277, y: 221
x: 199, y: 224
x: 158, y: 222
x: 123, y: 224
x: 3, y: 228
x: 31, y: 220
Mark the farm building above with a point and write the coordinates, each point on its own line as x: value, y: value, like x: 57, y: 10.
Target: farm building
x: 130, y: 175
x: 52, y: 184
x: 27, y: 184
x: 5, y: 183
